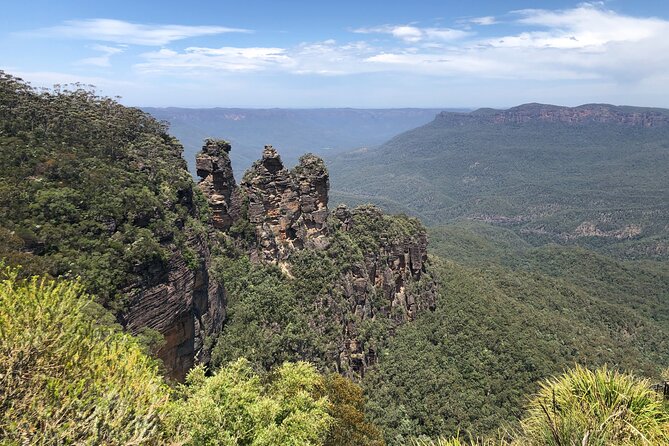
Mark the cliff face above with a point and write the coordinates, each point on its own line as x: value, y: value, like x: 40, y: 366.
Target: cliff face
x: 390, y: 283
x: 288, y: 211
x: 102, y: 193
x: 179, y: 299
x: 182, y: 303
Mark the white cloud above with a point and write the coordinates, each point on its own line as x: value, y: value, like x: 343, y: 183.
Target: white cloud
x: 585, y: 43
x: 483, y: 21
x: 102, y: 60
x: 119, y: 31
x: 230, y: 59
x: 414, y: 34
x: 582, y: 27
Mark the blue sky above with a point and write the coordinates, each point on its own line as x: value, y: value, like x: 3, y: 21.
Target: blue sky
x: 344, y: 53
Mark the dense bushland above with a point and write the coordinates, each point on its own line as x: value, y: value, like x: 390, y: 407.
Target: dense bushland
x: 65, y: 378
x: 88, y: 188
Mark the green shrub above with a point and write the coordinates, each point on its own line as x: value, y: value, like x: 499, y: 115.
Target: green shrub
x: 350, y: 427
x: 66, y: 379
x: 239, y: 407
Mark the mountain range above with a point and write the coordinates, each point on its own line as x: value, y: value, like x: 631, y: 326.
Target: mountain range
x: 592, y: 175
x: 263, y: 296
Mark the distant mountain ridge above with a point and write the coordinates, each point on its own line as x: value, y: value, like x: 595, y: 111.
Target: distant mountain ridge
x: 583, y: 114
x: 593, y: 175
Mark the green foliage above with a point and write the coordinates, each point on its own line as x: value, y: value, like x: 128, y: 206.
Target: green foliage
x: 90, y: 189
x: 64, y: 378
x: 236, y: 406
x: 458, y: 441
x: 267, y: 322
x: 350, y: 426
x: 274, y: 316
x: 496, y: 332
x: 600, y: 407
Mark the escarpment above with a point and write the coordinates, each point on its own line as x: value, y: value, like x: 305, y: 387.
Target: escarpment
x: 391, y: 282
x: 381, y: 260
x: 102, y: 193
x: 581, y: 115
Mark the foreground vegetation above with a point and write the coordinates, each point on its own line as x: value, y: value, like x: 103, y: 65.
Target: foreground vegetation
x: 66, y: 378
x: 70, y: 380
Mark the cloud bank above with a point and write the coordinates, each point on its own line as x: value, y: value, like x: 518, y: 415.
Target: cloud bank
x: 587, y: 42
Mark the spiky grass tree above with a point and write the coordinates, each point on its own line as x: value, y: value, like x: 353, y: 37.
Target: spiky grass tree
x: 458, y: 441
x: 595, y: 408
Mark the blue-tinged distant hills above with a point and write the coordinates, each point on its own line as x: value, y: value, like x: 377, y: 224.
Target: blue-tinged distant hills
x: 292, y: 131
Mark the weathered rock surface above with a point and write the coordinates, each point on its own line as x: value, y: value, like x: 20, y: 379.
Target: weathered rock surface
x: 218, y: 182
x: 387, y: 284
x: 288, y: 210
x: 287, y: 207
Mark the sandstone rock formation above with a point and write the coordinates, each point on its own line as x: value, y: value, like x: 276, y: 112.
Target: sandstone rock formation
x: 218, y: 182
x: 288, y: 211
x: 387, y: 284
x: 288, y: 208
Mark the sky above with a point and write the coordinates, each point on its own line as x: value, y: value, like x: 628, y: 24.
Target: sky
x: 364, y: 54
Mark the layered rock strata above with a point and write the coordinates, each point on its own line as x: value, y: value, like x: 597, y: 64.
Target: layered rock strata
x: 218, y: 182
x: 180, y: 300
x: 391, y: 283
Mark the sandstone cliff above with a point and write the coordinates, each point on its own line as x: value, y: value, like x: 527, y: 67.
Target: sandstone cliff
x: 583, y: 114
x: 179, y: 299
x: 391, y: 282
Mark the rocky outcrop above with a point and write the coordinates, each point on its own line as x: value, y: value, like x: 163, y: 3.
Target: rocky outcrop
x: 583, y: 114
x: 390, y: 283
x: 288, y: 212
x: 218, y: 182
x: 287, y: 207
